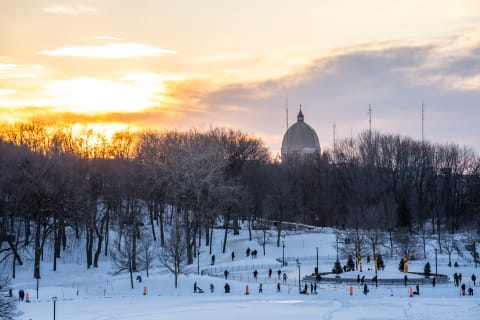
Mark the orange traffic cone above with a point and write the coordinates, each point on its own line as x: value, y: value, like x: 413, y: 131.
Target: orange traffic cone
x: 246, y: 290
x: 145, y: 290
x: 411, y: 292
x: 351, y: 291
x: 27, y: 297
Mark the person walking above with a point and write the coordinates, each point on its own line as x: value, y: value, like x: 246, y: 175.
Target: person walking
x: 233, y: 255
x: 260, y: 288
x: 225, y: 273
x: 270, y: 272
x: 365, y: 289
x: 474, y: 278
x: 278, y: 286
x: 284, y: 278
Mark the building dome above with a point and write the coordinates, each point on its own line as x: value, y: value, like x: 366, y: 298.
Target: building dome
x: 300, y: 139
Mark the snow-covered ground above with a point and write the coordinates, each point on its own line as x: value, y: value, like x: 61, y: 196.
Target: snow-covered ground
x: 94, y: 294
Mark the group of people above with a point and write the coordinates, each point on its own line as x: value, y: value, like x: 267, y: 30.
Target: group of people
x: 253, y: 253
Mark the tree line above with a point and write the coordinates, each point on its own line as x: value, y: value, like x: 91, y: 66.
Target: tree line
x: 173, y: 189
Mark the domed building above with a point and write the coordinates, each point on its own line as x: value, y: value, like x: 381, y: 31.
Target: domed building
x: 300, y: 139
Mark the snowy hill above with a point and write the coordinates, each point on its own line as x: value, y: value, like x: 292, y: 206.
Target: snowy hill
x: 95, y: 294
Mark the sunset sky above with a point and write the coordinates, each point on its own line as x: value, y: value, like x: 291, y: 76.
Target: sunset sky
x: 216, y: 63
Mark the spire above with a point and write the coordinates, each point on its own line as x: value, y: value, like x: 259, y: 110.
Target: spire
x: 300, y: 115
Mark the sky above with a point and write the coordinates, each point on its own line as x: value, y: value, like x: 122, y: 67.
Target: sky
x: 164, y: 64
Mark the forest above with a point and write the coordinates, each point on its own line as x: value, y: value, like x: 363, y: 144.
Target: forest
x: 171, y: 189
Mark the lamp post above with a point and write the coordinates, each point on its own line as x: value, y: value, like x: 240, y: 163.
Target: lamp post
x: 54, y: 299
x: 435, y: 262
x: 299, y: 285
x: 198, y: 261
x: 283, y: 253
x: 337, y: 248
x: 375, y: 264
x: 316, y: 269
x: 37, y: 287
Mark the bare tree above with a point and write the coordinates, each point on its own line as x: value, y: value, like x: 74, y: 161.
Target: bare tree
x: 145, y: 253
x: 172, y: 255
x: 8, y: 305
x: 123, y: 257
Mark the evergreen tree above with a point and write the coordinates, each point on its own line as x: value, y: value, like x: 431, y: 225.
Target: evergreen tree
x: 350, y: 263
x: 404, y: 216
x: 427, y: 270
x: 401, y: 265
x: 337, y: 268
x: 380, y: 263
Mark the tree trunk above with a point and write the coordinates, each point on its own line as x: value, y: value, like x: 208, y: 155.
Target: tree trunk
x: 151, y: 213
x: 227, y: 218
x: 36, y: 270
x: 107, y: 230
x: 134, y: 238
x: 161, y: 219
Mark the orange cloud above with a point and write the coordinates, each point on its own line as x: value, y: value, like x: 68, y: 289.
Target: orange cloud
x: 111, y: 50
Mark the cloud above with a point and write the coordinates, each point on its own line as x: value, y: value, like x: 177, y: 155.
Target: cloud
x: 70, y: 10
x: 222, y: 58
x: 107, y: 38
x: 6, y: 91
x: 111, y: 50
x: 11, y: 70
x: 338, y: 89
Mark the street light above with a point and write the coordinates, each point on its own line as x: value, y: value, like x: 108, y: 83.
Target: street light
x: 283, y: 254
x: 375, y: 264
x: 198, y: 261
x: 316, y: 269
x: 299, y: 285
x: 435, y: 262
x: 337, y: 248
x: 54, y: 299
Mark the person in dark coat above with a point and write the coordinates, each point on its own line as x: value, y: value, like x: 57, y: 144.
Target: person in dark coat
x: 255, y: 273
x: 358, y: 278
x: 279, y: 273
x: 213, y: 260
x: 278, y: 286
x: 365, y: 289
x: 405, y: 280
x: 270, y: 272
x: 225, y: 273
x: 212, y: 288
x: 195, y: 287
x: 463, y: 289
x: 284, y: 277
x: 247, y: 252
x: 474, y: 278
x: 21, y: 294
x: 315, y: 287
x: 305, y: 289
x: 233, y: 255
x: 470, y: 291
x: 433, y: 281
x: 260, y: 288
x: 227, y: 287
